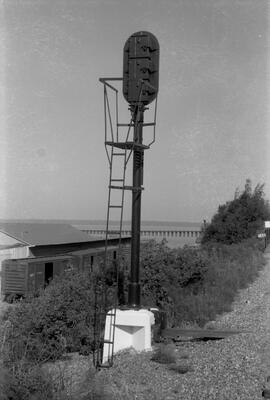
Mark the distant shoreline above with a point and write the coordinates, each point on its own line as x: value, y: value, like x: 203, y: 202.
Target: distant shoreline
x: 103, y: 222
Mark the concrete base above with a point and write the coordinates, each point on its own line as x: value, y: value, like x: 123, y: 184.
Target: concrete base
x: 132, y: 329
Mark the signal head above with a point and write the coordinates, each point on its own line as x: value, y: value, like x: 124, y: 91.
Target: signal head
x: 141, y: 68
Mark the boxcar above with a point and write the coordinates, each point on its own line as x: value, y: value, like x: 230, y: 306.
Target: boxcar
x: 27, y: 275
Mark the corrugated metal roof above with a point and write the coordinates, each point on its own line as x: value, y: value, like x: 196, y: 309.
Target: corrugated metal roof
x: 35, y: 234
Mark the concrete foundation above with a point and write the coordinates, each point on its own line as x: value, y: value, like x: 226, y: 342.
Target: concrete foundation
x: 132, y: 329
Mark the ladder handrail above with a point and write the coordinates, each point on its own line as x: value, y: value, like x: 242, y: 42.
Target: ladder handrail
x: 112, y: 316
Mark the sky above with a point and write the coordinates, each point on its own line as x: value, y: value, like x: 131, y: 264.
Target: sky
x: 212, y: 129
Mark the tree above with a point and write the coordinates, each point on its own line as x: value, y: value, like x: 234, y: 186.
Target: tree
x: 240, y: 218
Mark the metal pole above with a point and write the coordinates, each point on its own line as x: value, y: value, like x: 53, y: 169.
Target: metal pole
x: 134, y: 291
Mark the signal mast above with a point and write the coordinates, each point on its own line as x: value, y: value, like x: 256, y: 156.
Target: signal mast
x: 130, y: 326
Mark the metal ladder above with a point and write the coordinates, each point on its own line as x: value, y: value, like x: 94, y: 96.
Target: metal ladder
x: 107, y: 310
x: 106, y: 346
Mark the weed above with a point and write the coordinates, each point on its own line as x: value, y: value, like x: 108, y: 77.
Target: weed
x: 25, y: 382
x: 164, y: 354
x: 184, y: 356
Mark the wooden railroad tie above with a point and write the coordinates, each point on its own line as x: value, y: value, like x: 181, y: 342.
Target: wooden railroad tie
x: 175, y: 333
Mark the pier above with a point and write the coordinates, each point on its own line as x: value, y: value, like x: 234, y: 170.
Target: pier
x: 148, y: 233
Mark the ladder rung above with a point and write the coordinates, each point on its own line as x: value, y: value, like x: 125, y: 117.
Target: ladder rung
x: 118, y: 154
x: 136, y: 189
x: 117, y: 180
x: 115, y: 187
x: 125, y: 124
x: 114, y: 206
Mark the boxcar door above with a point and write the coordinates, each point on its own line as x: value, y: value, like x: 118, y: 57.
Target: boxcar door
x: 40, y: 276
x: 48, y: 272
x: 14, y: 277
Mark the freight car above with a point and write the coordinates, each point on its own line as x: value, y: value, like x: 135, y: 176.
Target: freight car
x: 27, y: 275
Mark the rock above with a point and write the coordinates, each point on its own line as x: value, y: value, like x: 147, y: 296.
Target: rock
x: 266, y: 393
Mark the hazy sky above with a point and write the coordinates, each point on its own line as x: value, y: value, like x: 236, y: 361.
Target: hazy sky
x: 213, y: 106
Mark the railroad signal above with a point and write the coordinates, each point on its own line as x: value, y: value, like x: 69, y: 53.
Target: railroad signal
x: 140, y: 88
x: 141, y: 68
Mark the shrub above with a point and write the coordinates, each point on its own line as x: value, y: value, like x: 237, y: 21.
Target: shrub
x: 44, y: 327
x: 165, y: 271
x: 190, y: 267
x: 240, y: 218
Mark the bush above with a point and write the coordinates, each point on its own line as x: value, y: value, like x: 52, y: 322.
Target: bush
x: 164, y: 271
x: 190, y: 267
x: 156, y: 262
x: 44, y: 327
x: 239, y: 219
x: 195, y: 285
